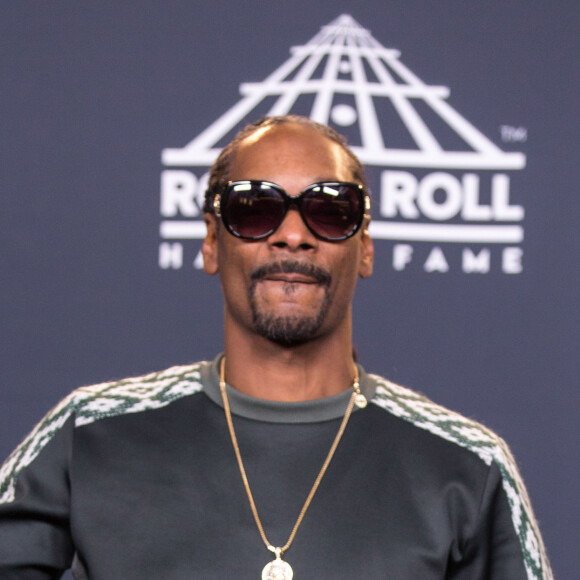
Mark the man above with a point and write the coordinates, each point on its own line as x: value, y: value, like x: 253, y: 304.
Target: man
x: 285, y: 470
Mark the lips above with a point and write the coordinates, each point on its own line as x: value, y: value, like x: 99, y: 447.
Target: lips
x: 291, y: 272
x: 291, y: 278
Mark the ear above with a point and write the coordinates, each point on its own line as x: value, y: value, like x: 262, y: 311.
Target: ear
x: 209, y: 248
x: 367, y: 251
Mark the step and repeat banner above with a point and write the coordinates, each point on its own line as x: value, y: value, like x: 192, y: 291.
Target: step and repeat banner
x: 466, y: 117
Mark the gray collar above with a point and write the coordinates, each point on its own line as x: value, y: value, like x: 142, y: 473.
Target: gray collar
x: 325, y: 409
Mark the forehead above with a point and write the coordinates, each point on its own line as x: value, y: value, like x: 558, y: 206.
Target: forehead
x: 290, y: 152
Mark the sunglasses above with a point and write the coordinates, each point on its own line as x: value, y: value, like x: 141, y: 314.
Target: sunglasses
x: 331, y: 210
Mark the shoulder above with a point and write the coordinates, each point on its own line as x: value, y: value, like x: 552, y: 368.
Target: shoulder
x: 88, y: 404
x: 135, y: 394
x: 453, y: 427
x: 423, y: 413
x: 441, y: 422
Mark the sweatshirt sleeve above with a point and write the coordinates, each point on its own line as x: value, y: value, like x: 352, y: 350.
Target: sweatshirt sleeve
x: 492, y: 550
x: 35, y: 540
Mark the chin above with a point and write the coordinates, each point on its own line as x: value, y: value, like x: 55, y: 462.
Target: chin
x: 288, y: 330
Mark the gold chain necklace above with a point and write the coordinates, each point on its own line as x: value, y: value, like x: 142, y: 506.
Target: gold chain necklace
x: 278, y: 569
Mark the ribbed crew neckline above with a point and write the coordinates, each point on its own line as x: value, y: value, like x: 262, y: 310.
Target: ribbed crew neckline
x: 325, y: 409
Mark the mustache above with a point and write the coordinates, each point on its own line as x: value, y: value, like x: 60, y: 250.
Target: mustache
x: 321, y: 276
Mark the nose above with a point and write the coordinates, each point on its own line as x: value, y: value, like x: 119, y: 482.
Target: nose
x: 292, y: 234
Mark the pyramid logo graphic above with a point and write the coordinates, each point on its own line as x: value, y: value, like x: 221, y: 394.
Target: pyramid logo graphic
x: 344, y: 77
x: 357, y: 66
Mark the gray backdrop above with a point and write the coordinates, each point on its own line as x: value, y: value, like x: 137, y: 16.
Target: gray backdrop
x: 94, y: 92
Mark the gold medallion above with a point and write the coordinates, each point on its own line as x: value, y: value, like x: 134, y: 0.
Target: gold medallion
x: 277, y: 570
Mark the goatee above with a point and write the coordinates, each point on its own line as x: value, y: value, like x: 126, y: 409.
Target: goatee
x: 289, y: 331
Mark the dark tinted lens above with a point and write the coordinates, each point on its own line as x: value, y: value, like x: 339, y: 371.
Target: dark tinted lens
x: 334, y: 210
x: 252, y: 210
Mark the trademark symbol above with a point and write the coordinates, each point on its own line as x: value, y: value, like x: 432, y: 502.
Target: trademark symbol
x: 511, y: 134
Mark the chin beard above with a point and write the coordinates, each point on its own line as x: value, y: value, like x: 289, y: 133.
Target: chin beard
x: 289, y: 331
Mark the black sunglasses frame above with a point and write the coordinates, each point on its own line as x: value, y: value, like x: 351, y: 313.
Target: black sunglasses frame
x: 221, y: 199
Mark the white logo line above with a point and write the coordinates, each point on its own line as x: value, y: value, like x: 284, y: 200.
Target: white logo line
x: 381, y: 230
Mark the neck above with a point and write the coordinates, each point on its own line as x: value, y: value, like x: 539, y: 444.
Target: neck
x: 260, y: 368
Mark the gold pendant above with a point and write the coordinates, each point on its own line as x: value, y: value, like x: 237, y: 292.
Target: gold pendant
x: 277, y: 570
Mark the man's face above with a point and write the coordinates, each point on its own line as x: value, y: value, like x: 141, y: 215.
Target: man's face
x: 291, y: 287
